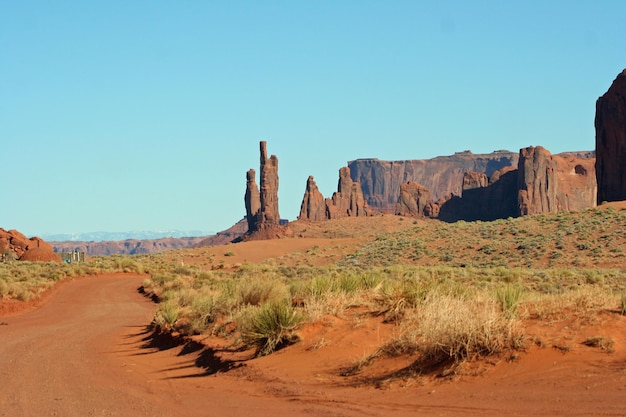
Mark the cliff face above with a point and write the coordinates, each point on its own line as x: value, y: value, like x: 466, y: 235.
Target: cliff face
x: 381, y: 180
x: 611, y: 142
x: 482, y: 199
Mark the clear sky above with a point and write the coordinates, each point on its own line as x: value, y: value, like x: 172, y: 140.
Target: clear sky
x: 146, y: 115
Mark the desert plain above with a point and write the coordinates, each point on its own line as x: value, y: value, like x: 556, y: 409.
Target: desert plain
x: 155, y: 335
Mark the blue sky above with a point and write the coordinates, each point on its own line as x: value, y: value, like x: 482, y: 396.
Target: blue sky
x: 146, y: 115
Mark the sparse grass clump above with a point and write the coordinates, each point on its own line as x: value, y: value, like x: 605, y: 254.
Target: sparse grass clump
x: 508, y: 299
x: 270, y: 327
x: 457, y: 329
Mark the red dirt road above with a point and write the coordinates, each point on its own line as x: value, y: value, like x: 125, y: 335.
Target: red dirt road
x: 86, y: 352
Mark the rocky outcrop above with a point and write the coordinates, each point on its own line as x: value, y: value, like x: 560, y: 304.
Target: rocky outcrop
x: 473, y: 180
x: 610, y: 126
x: 268, y: 214
x: 262, y: 212
x: 313, y: 206
x: 14, y: 245
x: 252, y: 199
x: 347, y: 201
x: 542, y: 183
x: 537, y: 181
x: 413, y: 200
x: 381, y: 180
x: 577, y: 187
x: 484, y: 199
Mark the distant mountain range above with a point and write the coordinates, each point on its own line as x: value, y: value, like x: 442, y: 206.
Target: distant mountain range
x: 106, y: 243
x: 109, y: 236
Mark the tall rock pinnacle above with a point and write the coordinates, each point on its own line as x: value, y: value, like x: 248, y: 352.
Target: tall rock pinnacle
x: 262, y: 204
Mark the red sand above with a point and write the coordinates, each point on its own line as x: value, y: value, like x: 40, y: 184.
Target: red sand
x: 87, y: 351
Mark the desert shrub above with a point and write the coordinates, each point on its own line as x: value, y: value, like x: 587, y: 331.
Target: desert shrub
x: 508, y: 298
x: 270, y: 327
x: 397, y: 296
x: 204, y: 310
x: 623, y: 304
x: 167, y: 314
x: 127, y: 264
x: 258, y: 291
x: 456, y: 329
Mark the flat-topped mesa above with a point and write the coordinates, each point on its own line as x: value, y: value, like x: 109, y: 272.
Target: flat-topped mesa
x: 541, y: 183
x: 610, y: 124
x: 348, y: 201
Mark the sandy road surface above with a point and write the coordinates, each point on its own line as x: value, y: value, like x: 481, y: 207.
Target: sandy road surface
x: 56, y: 360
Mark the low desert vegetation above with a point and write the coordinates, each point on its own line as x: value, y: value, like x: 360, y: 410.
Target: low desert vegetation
x: 450, y: 292
x: 23, y: 281
x: 441, y: 314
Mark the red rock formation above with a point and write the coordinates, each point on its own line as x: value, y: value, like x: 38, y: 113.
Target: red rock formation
x: 252, y: 199
x: 348, y: 201
x: 414, y: 198
x: 313, y: 206
x: 473, y: 180
x: 262, y: 205
x: 577, y: 188
x: 268, y: 214
x: 537, y: 181
x: 14, y: 245
x: 610, y: 126
x: 443, y: 175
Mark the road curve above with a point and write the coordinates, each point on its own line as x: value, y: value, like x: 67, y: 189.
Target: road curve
x: 87, y: 352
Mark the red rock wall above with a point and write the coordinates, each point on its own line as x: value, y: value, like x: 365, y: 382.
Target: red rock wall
x: 610, y: 126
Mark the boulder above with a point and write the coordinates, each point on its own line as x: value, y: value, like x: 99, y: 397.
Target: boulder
x: 610, y: 124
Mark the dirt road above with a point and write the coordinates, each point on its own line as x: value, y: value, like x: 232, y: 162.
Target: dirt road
x: 87, y: 352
